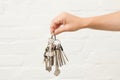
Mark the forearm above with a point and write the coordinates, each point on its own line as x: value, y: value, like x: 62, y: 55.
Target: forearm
x: 105, y: 22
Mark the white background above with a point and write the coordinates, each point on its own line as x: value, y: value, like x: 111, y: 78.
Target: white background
x: 24, y: 32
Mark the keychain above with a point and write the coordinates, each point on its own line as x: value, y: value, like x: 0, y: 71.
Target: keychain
x: 54, y: 55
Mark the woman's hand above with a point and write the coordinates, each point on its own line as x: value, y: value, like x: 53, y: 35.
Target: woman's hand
x: 66, y: 22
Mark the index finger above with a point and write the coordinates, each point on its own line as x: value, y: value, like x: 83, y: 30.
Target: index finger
x: 55, y: 24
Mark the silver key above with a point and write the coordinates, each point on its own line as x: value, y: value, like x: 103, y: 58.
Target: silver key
x: 60, y: 54
x: 57, y: 70
x: 63, y: 52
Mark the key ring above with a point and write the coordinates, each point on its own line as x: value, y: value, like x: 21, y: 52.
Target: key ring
x: 53, y: 36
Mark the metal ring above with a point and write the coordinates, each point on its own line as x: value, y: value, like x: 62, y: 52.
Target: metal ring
x: 53, y: 36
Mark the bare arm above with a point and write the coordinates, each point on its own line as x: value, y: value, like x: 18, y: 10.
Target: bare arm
x: 106, y: 22
x: 67, y: 22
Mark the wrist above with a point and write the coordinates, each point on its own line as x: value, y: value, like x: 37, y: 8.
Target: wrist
x: 88, y: 22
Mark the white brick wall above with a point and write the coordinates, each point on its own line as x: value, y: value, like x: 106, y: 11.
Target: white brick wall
x: 24, y: 31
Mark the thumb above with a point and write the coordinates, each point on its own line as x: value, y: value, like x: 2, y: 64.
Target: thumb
x: 60, y: 30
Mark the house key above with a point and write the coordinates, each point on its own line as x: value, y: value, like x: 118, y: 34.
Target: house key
x: 57, y: 70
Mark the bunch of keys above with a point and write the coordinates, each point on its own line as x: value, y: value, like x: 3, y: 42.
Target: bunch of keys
x: 54, y: 55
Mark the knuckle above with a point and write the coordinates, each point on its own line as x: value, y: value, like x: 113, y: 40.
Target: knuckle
x: 64, y: 14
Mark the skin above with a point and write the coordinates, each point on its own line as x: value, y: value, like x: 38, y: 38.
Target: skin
x: 66, y: 22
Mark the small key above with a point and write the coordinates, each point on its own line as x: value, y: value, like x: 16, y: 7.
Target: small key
x: 60, y: 54
x: 63, y: 52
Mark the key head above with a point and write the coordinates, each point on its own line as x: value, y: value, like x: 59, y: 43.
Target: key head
x: 49, y: 50
x: 57, y: 46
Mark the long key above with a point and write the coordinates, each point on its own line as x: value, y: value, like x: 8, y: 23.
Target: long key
x: 57, y: 71
x: 63, y: 52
